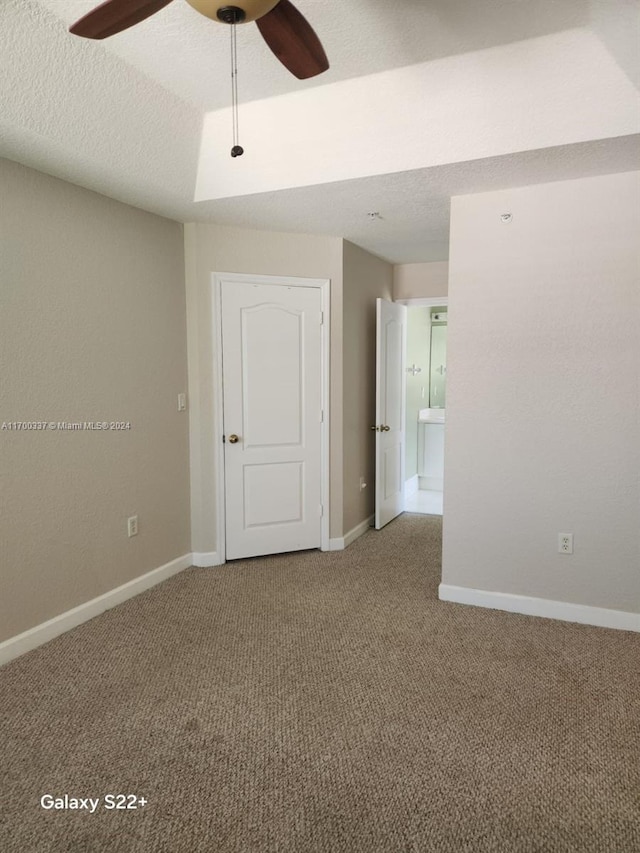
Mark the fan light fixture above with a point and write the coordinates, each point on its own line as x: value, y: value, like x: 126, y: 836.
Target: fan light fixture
x: 285, y: 30
x: 236, y: 13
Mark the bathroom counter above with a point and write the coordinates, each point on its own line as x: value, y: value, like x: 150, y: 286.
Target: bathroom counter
x: 431, y: 416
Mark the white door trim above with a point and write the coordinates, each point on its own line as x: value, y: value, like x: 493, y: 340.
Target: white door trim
x: 324, y: 285
x: 387, y: 314
x: 424, y: 301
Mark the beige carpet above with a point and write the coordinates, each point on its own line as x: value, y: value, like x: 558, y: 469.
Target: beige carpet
x: 325, y: 703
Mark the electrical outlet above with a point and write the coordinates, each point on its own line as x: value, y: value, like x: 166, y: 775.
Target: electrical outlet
x: 565, y: 543
x: 182, y: 402
x: 132, y: 526
x: 363, y: 484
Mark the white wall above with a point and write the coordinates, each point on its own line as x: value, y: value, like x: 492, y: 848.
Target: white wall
x: 543, y: 432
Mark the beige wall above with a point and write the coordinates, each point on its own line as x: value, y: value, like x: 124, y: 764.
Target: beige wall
x: 92, y: 328
x: 212, y: 248
x: 365, y: 278
x: 543, y: 427
x: 411, y: 281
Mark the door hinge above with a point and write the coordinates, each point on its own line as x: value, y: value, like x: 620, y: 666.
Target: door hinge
x: 321, y: 318
x: 224, y: 438
x: 321, y: 416
x: 321, y: 508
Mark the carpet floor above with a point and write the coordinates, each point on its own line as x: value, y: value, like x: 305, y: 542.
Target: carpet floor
x: 324, y: 703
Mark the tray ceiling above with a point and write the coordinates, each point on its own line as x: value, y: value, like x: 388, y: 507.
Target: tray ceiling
x: 124, y: 116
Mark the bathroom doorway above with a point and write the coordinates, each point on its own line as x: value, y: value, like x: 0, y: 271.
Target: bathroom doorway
x: 426, y: 371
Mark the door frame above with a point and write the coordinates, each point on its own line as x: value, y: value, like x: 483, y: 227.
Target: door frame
x: 421, y: 302
x: 324, y: 286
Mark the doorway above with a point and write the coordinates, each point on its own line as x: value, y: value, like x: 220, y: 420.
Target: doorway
x: 426, y: 366
x: 272, y: 351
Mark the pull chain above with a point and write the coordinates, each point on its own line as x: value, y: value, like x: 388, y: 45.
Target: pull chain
x: 237, y: 149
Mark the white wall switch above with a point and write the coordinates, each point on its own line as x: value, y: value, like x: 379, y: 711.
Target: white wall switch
x: 565, y: 543
x: 182, y: 402
x: 132, y: 526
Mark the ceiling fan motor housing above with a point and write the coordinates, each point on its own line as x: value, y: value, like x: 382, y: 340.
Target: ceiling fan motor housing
x: 239, y: 13
x: 230, y: 15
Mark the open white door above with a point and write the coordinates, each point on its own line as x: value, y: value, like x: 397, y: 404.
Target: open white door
x: 391, y: 335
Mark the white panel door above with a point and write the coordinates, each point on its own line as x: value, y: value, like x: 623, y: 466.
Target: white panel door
x: 272, y: 398
x: 391, y: 334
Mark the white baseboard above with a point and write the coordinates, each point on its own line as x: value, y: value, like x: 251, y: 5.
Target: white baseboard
x: 411, y: 485
x: 342, y: 542
x: 563, y: 610
x: 34, y: 637
x: 357, y: 531
x: 206, y: 560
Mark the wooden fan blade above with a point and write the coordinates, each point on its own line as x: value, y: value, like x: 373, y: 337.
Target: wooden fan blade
x: 292, y: 39
x: 112, y: 17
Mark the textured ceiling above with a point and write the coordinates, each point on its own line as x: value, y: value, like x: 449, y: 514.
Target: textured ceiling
x: 124, y: 116
x: 414, y: 206
x: 189, y: 54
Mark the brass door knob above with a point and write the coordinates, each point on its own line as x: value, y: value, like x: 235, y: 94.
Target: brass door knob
x: 233, y: 439
x: 374, y: 427
x: 385, y: 428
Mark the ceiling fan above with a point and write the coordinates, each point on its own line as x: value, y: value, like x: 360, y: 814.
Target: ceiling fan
x: 285, y: 30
